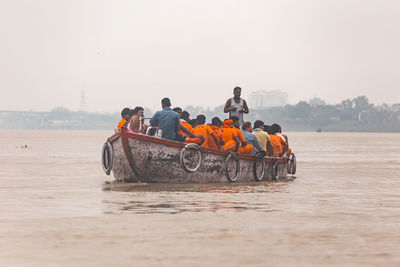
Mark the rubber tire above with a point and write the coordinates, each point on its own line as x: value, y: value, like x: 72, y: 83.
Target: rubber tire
x: 274, y: 170
x: 258, y: 156
x: 293, y: 165
x: 191, y: 146
x: 107, y: 151
x: 237, y: 173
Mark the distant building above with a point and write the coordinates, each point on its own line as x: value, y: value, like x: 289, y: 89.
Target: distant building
x: 267, y: 99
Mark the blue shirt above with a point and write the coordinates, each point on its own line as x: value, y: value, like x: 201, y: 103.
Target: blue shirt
x: 168, y: 122
x: 252, y: 139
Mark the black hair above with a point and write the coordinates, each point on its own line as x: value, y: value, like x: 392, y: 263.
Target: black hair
x: 201, y: 119
x: 216, y: 121
x: 125, y: 112
x: 136, y: 110
x: 177, y: 109
x: 237, y: 88
x: 132, y: 112
x: 166, y: 102
x: 277, y: 126
x: 267, y: 129
x: 192, y: 122
x: 185, y: 115
x: 274, y: 128
x: 258, y: 124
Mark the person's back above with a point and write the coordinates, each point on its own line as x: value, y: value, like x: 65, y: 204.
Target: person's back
x: 215, y: 126
x: 279, y: 145
x: 251, y: 139
x: 262, y: 137
x: 167, y: 120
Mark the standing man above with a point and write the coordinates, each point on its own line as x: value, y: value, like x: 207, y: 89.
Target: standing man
x: 167, y: 121
x: 236, y: 105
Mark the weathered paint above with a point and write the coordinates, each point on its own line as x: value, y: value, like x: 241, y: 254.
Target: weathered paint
x: 158, y: 160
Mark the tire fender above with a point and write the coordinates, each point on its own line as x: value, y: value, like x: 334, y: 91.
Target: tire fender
x: 182, y: 157
x: 107, y: 157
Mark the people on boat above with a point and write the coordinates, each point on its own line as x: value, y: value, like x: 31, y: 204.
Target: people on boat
x: 126, y: 115
x: 206, y: 131
x: 186, y: 130
x: 232, y: 141
x: 236, y: 106
x: 251, y: 138
x: 279, y: 146
x: 216, y: 124
x: 167, y: 121
x: 136, y: 123
x: 262, y: 137
x: 244, y: 147
x: 285, y: 138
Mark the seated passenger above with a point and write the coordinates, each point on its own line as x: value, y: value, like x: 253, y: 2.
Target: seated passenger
x: 215, y: 126
x: 285, y: 138
x: 186, y: 130
x: 232, y: 141
x: 244, y: 148
x: 262, y: 137
x: 125, y: 114
x: 206, y: 132
x: 136, y: 124
x: 167, y: 121
x: 251, y: 138
x: 279, y: 146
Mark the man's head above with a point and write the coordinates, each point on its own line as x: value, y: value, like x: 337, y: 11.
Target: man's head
x: 247, y: 126
x: 274, y: 128
x: 278, y: 127
x: 258, y: 124
x: 125, y: 113
x: 267, y: 129
x: 216, y: 122
x: 179, y: 111
x: 165, y: 102
x: 200, y: 119
x: 228, y: 122
x: 185, y: 115
x: 139, y: 111
x: 237, y: 92
x: 235, y: 122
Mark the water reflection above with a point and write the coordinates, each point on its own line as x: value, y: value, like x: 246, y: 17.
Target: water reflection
x: 148, y: 198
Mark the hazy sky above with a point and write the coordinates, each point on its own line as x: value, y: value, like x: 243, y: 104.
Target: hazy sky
x: 128, y: 53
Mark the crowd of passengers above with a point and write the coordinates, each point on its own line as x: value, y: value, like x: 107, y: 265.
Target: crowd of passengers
x: 230, y: 134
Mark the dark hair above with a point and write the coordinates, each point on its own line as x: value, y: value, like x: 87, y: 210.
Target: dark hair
x: 267, y: 129
x: 246, y: 125
x: 201, y: 119
x: 274, y: 128
x: 177, y: 109
x: 185, y: 115
x: 125, y: 112
x: 216, y: 121
x: 278, y: 127
x: 166, y: 102
x: 237, y: 88
x: 192, y: 122
x: 132, y: 112
x: 258, y: 124
x: 136, y: 110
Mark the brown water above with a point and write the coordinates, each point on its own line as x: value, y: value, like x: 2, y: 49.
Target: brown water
x: 342, y: 209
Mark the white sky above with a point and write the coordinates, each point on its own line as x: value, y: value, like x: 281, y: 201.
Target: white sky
x: 129, y: 53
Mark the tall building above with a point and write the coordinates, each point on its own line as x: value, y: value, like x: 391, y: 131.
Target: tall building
x: 266, y: 99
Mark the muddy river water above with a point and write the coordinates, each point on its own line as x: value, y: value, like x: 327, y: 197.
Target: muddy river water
x: 341, y: 209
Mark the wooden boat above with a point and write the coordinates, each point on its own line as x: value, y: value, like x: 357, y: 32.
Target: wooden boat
x: 133, y: 157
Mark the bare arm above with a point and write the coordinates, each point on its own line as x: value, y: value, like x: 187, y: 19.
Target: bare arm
x: 269, y: 149
x: 245, y: 107
x: 216, y: 140
x: 227, y: 107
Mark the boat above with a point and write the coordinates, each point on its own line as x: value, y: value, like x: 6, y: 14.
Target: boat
x: 135, y: 157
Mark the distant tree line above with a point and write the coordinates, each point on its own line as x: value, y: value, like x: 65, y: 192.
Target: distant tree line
x: 357, y: 115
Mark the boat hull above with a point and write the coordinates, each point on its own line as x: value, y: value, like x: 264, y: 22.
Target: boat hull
x: 142, y: 158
